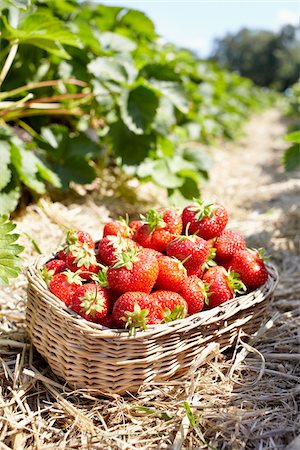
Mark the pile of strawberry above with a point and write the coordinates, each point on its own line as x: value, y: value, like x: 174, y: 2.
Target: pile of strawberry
x: 166, y: 266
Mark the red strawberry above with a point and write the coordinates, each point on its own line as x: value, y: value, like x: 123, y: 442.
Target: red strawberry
x: 118, y: 227
x: 171, y: 274
x: 194, y: 293
x: 110, y: 246
x: 101, y: 280
x: 135, y: 225
x: 52, y: 268
x: 208, y: 221
x: 251, y: 268
x: 91, y: 302
x: 73, y: 239
x: 83, y: 259
x: 222, y: 285
x: 135, y: 270
x: 192, y: 250
x: 159, y: 229
x: 108, y: 322
x: 171, y: 305
x: 135, y: 310
x: 227, y: 244
x: 64, y: 284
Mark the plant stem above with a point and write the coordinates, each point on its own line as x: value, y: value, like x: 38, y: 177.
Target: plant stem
x: 40, y: 84
x: 9, y: 60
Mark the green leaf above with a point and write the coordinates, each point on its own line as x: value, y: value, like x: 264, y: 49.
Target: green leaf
x: 25, y: 163
x: 138, y: 22
x: 291, y: 158
x: 106, y: 68
x: 165, y: 146
x: 44, y: 31
x: 116, y: 43
x: 174, y: 91
x: 5, y: 172
x: 293, y: 137
x: 138, y: 108
x: 76, y: 169
x: 163, y: 175
x: 10, y: 262
x: 130, y: 147
x: 10, y: 196
x: 200, y: 158
x: 83, y: 146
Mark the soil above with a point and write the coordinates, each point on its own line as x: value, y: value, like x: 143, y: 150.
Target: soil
x: 257, y: 408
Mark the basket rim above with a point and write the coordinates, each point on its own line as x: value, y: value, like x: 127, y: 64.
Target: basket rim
x: 204, y: 317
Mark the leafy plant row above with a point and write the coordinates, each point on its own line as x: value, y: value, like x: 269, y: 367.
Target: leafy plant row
x: 85, y: 85
x: 291, y: 157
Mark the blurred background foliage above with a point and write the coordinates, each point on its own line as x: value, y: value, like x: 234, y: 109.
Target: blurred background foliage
x: 268, y: 58
x: 86, y: 86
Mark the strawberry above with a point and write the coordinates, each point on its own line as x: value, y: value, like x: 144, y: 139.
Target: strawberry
x: 82, y: 258
x: 170, y: 304
x: 227, y: 244
x: 52, y: 268
x: 222, y: 285
x: 135, y: 225
x: 73, y: 239
x: 251, y: 268
x: 135, y: 270
x: 171, y: 274
x: 118, y: 227
x: 91, y: 302
x: 135, y: 310
x: 207, y: 220
x: 159, y: 229
x: 108, y: 321
x: 64, y: 284
x: 110, y: 246
x: 192, y: 250
x: 101, y: 280
x: 194, y: 293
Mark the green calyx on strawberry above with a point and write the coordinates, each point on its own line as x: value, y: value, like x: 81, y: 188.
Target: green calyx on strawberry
x: 203, y: 210
x: 126, y: 259
x: 83, y: 256
x: 178, y: 312
x: 100, y: 278
x: 91, y: 303
x: 138, y: 318
x: 210, y: 261
x: 154, y: 219
x: 73, y: 277
x: 235, y: 282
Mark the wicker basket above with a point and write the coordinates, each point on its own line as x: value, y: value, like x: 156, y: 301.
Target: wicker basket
x: 90, y: 356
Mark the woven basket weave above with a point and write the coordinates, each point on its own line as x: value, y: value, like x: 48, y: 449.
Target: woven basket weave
x: 90, y: 356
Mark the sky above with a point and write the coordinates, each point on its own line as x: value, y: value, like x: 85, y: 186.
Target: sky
x: 195, y: 24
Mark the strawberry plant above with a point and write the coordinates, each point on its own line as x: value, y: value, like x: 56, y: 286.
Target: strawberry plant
x: 86, y: 85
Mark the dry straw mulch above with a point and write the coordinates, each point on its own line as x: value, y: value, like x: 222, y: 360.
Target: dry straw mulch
x: 248, y: 398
